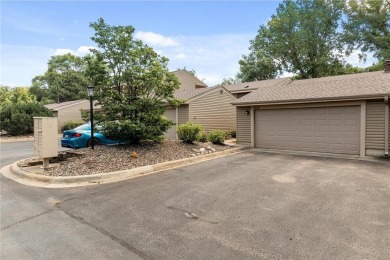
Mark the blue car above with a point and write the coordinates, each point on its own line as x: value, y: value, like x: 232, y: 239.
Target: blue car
x: 80, y: 137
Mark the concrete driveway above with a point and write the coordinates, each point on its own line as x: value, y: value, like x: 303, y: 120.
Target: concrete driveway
x: 246, y: 206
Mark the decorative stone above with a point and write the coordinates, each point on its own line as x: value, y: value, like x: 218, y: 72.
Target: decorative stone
x: 195, y: 150
x: 197, y: 154
x: 209, y: 148
x: 134, y: 155
x: 212, y: 150
x: 193, y: 155
x: 202, y: 150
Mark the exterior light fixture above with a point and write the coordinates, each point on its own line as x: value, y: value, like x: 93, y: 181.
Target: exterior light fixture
x: 247, y: 112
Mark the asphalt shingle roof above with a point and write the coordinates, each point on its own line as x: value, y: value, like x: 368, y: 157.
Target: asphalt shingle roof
x: 185, y: 94
x: 256, y: 84
x: 57, y: 106
x: 348, y: 86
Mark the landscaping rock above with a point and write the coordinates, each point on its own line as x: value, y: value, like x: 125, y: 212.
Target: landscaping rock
x: 104, y: 159
x: 202, y: 150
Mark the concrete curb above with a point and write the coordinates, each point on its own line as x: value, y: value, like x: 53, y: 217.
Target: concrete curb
x: 33, y: 179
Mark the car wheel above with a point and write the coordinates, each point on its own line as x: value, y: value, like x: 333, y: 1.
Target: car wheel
x: 95, y: 142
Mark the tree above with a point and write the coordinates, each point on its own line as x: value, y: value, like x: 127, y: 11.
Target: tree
x: 367, y: 27
x: 40, y: 89
x: 15, y: 95
x: 134, y: 88
x: 17, y: 118
x: 5, y: 94
x: 256, y: 66
x: 229, y: 81
x: 65, y: 79
x: 302, y: 38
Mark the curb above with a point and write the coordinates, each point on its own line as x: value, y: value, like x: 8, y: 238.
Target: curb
x: 33, y: 179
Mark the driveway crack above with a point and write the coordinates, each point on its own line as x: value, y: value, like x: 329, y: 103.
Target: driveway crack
x: 104, y: 232
x: 27, y: 219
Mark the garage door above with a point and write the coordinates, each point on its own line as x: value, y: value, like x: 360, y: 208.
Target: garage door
x: 170, y: 113
x: 325, y: 129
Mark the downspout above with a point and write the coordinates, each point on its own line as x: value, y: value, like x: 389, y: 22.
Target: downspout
x: 387, y: 125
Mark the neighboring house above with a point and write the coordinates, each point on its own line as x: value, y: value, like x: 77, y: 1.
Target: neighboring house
x: 346, y: 114
x: 212, y: 107
x: 69, y: 111
x: 188, y: 80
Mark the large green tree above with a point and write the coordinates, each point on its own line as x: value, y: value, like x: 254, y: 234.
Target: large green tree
x: 367, y: 27
x: 133, y: 86
x: 15, y: 95
x: 302, y: 38
x: 17, y: 118
x: 256, y: 66
x: 65, y: 79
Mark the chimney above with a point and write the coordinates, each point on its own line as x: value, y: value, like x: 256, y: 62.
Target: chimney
x: 387, y: 66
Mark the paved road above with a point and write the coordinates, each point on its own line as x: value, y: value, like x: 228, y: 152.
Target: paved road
x: 14, y: 151
x: 246, y: 206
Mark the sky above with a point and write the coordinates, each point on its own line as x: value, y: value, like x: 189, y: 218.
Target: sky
x: 208, y: 37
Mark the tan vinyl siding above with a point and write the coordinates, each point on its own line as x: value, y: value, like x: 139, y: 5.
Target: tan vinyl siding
x: 170, y: 113
x: 375, y: 125
x: 243, y: 125
x: 71, y: 113
x: 214, y: 111
x: 183, y: 114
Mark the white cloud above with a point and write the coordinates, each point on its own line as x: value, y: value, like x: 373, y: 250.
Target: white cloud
x: 155, y: 39
x: 181, y: 56
x: 63, y: 51
x: 84, y: 50
x: 81, y: 51
x: 353, y: 59
x: 213, y: 57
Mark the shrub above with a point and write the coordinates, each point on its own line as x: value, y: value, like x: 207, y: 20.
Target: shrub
x: 202, y: 137
x: 70, y: 125
x: 189, y: 132
x: 17, y: 118
x: 233, y: 133
x: 217, y: 136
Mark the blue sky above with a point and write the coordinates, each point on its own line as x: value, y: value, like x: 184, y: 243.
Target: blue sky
x: 207, y: 36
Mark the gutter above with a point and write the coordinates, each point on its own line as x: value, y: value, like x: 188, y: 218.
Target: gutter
x: 386, y: 99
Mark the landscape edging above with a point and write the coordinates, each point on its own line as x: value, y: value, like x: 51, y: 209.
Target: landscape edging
x: 118, y: 175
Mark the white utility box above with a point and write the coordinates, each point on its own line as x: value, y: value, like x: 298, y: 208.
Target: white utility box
x: 45, y: 137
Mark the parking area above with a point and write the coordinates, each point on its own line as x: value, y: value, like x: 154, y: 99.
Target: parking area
x: 249, y: 205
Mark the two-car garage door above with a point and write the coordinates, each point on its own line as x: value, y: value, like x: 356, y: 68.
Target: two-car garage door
x: 320, y: 129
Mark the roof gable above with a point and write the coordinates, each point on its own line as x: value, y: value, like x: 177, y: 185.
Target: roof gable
x: 211, y: 90
x: 188, y: 80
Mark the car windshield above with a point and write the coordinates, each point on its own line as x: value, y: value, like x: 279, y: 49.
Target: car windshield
x: 83, y: 127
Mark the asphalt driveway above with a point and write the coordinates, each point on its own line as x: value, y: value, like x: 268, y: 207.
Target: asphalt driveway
x: 249, y: 205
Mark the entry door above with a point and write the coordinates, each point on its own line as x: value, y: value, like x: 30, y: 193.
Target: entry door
x: 324, y: 129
